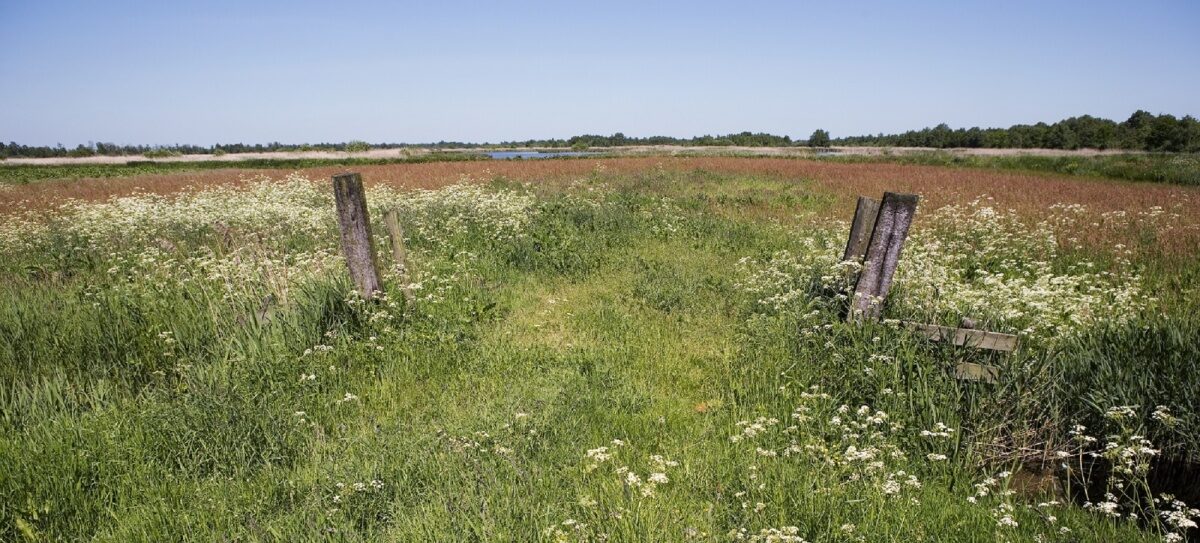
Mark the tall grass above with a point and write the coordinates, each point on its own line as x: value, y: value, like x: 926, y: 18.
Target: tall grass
x: 648, y: 356
x: 1175, y: 168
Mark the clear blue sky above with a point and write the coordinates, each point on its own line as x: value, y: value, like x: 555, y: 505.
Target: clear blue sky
x: 255, y: 71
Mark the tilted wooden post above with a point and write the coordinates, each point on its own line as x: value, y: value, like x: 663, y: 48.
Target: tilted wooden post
x: 399, y: 256
x: 391, y: 219
x: 883, y: 254
x: 355, y: 225
x: 860, y: 230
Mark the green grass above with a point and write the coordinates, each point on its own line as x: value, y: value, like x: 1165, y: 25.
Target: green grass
x: 158, y: 391
x: 1175, y: 168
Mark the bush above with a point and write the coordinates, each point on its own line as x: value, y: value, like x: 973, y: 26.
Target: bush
x: 161, y: 153
x: 819, y: 138
x: 357, y: 146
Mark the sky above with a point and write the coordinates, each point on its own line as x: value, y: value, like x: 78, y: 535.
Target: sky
x: 166, y: 72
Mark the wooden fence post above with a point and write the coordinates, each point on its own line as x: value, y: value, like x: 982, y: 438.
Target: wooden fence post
x: 355, y: 225
x: 860, y: 230
x: 883, y: 254
x: 400, y: 257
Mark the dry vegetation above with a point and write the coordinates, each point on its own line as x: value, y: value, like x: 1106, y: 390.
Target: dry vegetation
x: 1029, y: 194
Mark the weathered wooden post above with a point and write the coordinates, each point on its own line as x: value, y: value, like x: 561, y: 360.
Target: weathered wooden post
x: 355, y: 225
x: 883, y: 254
x: 399, y: 256
x: 860, y: 230
x: 391, y: 219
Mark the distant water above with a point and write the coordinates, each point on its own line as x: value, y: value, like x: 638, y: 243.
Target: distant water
x: 508, y: 155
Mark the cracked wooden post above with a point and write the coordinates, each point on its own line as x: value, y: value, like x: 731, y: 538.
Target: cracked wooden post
x: 860, y: 230
x: 883, y: 254
x: 355, y: 225
x: 399, y: 256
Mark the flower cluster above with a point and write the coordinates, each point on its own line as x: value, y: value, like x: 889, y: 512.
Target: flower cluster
x: 439, y: 217
x: 969, y: 260
x: 639, y: 485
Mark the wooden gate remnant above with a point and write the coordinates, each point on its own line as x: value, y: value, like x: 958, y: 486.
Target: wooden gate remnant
x: 876, y: 240
x: 887, y: 237
x: 355, y: 225
x: 966, y: 337
x: 391, y: 219
x: 860, y: 230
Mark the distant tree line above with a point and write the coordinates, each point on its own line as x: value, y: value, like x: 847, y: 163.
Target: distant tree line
x: 743, y: 139
x: 1142, y: 131
x: 14, y: 149
x: 747, y: 139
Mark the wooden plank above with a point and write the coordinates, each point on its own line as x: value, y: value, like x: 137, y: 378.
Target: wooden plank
x: 399, y: 255
x: 355, y: 225
x: 970, y: 371
x: 860, y: 229
x: 967, y: 337
x: 883, y: 255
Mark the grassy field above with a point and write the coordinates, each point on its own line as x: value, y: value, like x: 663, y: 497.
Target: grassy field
x: 1177, y: 168
x: 19, y: 174
x: 642, y: 349
x: 1173, y: 168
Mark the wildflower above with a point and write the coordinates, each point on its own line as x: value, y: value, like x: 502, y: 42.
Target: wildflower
x: 939, y: 430
x: 1123, y: 412
x: 1163, y: 415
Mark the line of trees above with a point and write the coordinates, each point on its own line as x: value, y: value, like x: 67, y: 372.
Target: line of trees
x: 741, y: 139
x: 746, y: 139
x: 14, y: 149
x: 1142, y: 131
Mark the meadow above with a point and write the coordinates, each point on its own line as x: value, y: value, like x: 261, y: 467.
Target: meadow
x: 625, y: 349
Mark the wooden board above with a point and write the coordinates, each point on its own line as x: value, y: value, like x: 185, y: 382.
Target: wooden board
x: 967, y: 337
x: 860, y: 230
x: 969, y: 371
